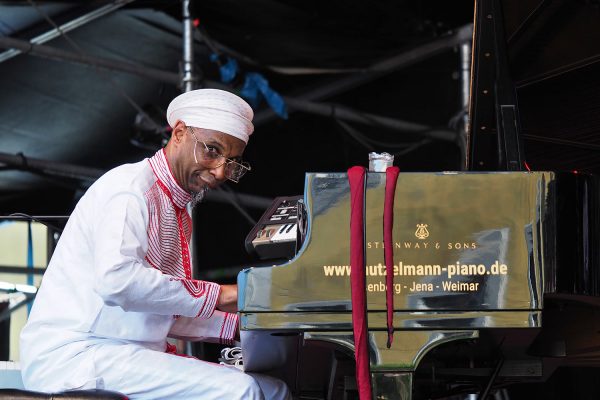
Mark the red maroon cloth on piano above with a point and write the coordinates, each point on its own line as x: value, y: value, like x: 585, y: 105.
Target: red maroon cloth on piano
x: 391, y: 176
x: 356, y: 178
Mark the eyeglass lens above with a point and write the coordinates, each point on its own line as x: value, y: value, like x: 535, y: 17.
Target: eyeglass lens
x: 212, y: 159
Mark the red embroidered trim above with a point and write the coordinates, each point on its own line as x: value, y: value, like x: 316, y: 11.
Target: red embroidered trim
x: 169, y: 235
x: 185, y: 249
x: 167, y: 239
x: 223, y: 326
x: 195, y: 288
x: 179, y: 189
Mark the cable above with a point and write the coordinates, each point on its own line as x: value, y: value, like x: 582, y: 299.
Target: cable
x: 5, y: 314
x: 236, y: 204
x: 456, y: 119
x: 355, y: 134
x: 413, y: 147
x: 219, y: 48
x: 39, y: 220
x: 368, y: 142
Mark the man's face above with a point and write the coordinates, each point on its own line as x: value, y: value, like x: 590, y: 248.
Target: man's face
x: 195, y: 174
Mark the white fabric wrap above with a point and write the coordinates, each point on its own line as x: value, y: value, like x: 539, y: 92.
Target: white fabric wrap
x: 213, y: 109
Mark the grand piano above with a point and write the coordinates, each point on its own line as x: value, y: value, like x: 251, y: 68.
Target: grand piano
x: 496, y: 268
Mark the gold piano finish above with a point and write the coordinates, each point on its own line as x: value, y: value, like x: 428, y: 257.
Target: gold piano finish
x: 464, y: 241
x: 470, y: 251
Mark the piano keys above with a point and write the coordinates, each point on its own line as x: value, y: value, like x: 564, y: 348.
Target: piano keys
x: 278, y: 234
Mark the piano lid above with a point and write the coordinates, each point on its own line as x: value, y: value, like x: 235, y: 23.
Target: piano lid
x: 539, y: 62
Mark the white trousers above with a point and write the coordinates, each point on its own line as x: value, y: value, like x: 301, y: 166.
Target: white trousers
x: 142, y: 373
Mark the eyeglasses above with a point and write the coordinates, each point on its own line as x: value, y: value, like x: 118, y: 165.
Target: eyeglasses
x: 211, y: 158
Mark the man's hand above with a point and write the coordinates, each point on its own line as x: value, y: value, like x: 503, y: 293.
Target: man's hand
x: 228, y: 298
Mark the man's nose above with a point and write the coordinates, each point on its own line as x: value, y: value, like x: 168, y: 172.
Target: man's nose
x: 219, y: 173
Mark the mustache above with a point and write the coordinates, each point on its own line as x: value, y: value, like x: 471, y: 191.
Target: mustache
x: 210, y: 180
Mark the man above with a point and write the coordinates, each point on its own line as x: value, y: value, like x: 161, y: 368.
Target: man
x: 120, y: 282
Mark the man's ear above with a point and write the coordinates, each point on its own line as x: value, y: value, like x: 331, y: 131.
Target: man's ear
x: 179, y: 130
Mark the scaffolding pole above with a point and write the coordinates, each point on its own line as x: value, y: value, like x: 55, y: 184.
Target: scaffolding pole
x: 51, y: 168
x: 53, y: 53
x: 188, y: 81
x: 378, y: 70
x: 348, y: 114
x: 66, y: 27
x: 465, y: 93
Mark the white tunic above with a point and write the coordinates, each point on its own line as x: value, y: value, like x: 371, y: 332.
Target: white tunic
x: 121, y: 276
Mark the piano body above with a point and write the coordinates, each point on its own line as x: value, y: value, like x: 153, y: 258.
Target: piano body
x: 496, y: 269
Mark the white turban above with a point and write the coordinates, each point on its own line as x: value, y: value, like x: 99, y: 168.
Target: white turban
x: 213, y: 109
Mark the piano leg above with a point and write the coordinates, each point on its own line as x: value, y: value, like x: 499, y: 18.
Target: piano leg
x: 392, y: 385
x: 392, y: 369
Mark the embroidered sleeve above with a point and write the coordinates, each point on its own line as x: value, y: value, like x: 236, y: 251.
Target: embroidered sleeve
x: 122, y: 278
x: 199, y: 289
x: 220, y: 327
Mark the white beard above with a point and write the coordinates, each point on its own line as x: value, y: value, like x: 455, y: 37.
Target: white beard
x: 197, y: 197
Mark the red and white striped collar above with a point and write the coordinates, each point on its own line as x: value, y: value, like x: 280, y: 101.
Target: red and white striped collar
x: 162, y: 170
